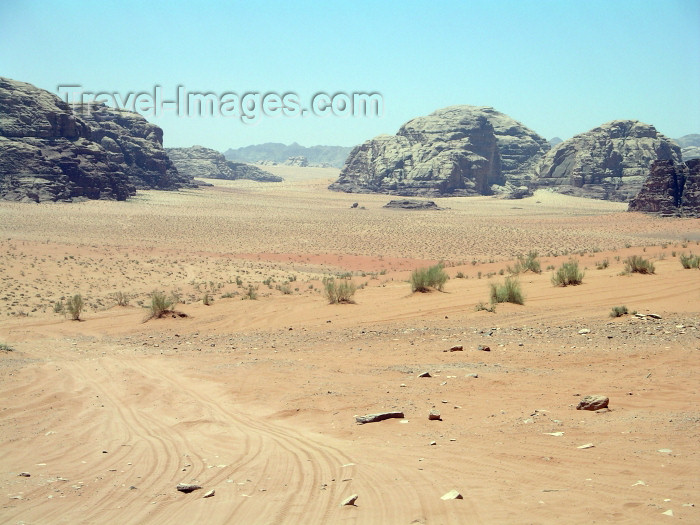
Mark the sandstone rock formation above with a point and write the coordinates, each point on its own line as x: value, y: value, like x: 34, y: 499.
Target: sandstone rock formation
x: 411, y: 204
x: 670, y: 189
x: 459, y: 150
x: 608, y: 162
x: 48, y: 152
x: 201, y: 162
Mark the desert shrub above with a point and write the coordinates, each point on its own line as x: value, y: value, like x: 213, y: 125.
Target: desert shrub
x: 638, y: 264
x: 207, y: 299
x: 508, y: 292
x: 58, y: 307
x: 526, y: 263
x: 690, y: 261
x: 4, y: 347
x: 285, y: 289
x: 618, y: 311
x: 160, y: 304
x: 483, y: 307
x: 228, y: 295
x: 568, y: 274
x: 601, y: 265
x: 460, y: 275
x: 74, y: 306
x: 121, y: 298
x: 423, y: 279
x: 340, y: 291
x: 251, y: 294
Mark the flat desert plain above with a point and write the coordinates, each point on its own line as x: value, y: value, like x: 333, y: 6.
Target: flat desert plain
x: 255, y: 398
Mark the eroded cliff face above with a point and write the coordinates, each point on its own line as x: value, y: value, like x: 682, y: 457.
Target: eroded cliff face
x: 608, y: 162
x: 671, y: 189
x: 48, y: 152
x: 459, y: 150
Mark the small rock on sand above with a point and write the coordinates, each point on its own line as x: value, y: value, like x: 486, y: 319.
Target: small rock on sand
x: 371, y: 418
x: 349, y: 501
x: 457, y: 348
x: 425, y: 374
x: 434, y: 415
x: 25, y: 474
x: 593, y: 403
x: 484, y: 348
x: 453, y: 494
x: 187, y: 487
x: 209, y: 493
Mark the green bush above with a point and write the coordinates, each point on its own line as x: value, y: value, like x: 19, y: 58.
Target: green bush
x: 618, y: 311
x: 508, y: 292
x: 423, y: 279
x: 251, y: 294
x: 601, y: 265
x: 340, y: 291
x: 568, y: 274
x: 690, y: 261
x: 160, y: 304
x: 638, y: 264
x: 121, y: 298
x: 207, y: 299
x: 74, y: 306
x: 4, y: 347
x: 525, y: 263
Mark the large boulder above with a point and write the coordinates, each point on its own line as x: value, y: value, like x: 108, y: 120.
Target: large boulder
x: 671, y: 189
x: 201, y: 162
x: 459, y: 150
x: 609, y: 162
x: 48, y: 152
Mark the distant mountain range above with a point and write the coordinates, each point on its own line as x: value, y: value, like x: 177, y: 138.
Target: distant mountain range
x: 275, y: 152
x: 690, y: 146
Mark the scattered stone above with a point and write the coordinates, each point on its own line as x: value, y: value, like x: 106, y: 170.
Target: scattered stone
x: 372, y: 418
x: 432, y: 443
x: 209, y: 493
x: 654, y: 316
x: 349, y: 501
x: 434, y: 415
x: 593, y: 403
x: 587, y: 445
x: 669, y: 512
x: 187, y: 487
x: 453, y: 494
x: 555, y: 434
x: 639, y: 482
x: 584, y: 331
x: 458, y: 348
x: 484, y: 348
x: 472, y: 375
x: 665, y: 450
x: 425, y: 374
x: 355, y: 204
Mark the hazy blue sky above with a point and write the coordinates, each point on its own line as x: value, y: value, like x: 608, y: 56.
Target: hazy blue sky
x: 561, y: 68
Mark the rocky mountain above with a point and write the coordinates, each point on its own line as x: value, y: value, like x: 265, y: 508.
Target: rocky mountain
x: 670, y: 189
x: 48, y: 152
x: 458, y: 150
x: 690, y: 146
x: 608, y: 162
x: 554, y: 141
x: 201, y: 162
x: 277, y: 153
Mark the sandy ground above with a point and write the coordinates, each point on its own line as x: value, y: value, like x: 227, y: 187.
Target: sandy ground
x: 255, y: 399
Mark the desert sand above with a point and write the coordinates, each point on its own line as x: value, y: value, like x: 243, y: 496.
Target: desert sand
x: 256, y: 399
